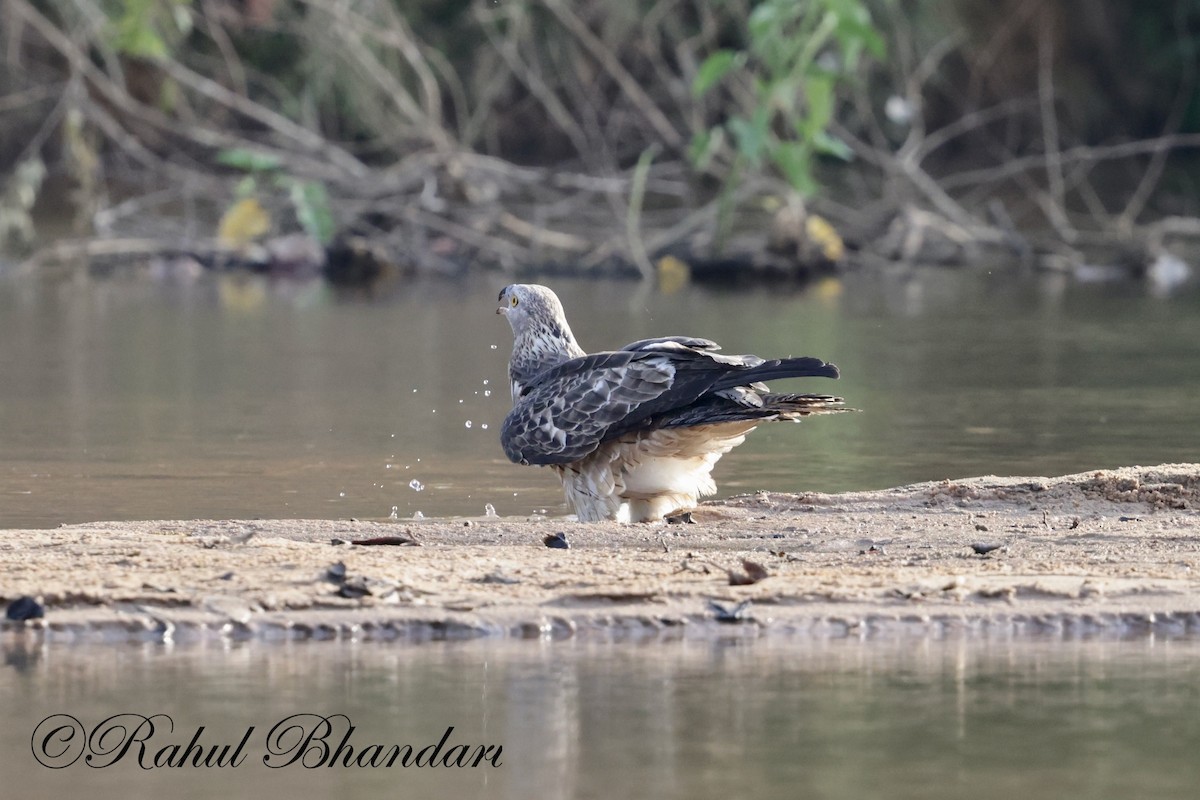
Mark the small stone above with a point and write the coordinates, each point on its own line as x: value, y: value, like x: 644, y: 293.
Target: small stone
x: 354, y: 588
x: 25, y: 607
x: 558, y: 541
x: 497, y: 577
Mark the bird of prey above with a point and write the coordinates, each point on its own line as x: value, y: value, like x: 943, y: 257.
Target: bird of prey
x: 634, y: 433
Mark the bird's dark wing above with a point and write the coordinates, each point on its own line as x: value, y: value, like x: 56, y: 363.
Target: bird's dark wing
x: 567, y: 411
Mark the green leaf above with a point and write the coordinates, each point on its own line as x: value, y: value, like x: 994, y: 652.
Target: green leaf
x: 704, y: 146
x: 829, y: 145
x: 311, y: 202
x: 818, y: 92
x: 762, y: 19
x: 714, y: 68
x: 751, y: 135
x: 246, y: 187
x: 794, y: 160
x: 248, y: 160
x: 854, y: 32
x: 874, y: 43
x: 141, y: 42
x: 135, y: 30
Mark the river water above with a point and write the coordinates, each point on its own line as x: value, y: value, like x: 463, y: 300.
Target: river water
x: 231, y: 396
x: 236, y: 396
x: 693, y: 720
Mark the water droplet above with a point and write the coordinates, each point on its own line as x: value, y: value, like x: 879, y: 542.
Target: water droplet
x: 435, y: 411
x: 460, y: 401
x: 418, y: 515
x: 395, y: 513
x: 416, y: 485
x: 487, y: 392
x: 490, y: 511
x: 387, y: 466
x: 341, y: 494
x: 493, y: 347
x: 414, y: 391
x: 468, y: 423
x: 486, y: 381
x: 484, y: 426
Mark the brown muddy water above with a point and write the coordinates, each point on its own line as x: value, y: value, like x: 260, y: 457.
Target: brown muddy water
x: 232, y: 396
x: 685, y: 719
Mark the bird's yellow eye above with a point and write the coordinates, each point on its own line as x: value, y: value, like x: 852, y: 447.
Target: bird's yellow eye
x: 514, y: 301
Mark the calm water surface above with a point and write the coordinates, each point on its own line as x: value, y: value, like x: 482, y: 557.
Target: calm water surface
x: 234, y: 397
x: 687, y: 719
x: 239, y: 397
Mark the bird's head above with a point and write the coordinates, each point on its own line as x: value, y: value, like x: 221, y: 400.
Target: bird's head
x: 528, y: 306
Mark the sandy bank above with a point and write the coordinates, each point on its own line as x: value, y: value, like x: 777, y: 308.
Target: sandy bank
x: 1112, y: 552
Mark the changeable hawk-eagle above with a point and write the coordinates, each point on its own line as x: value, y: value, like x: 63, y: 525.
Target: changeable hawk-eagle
x: 634, y: 433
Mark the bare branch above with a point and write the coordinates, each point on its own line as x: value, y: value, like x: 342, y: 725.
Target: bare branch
x: 633, y: 90
x: 1054, y: 206
x: 303, y: 137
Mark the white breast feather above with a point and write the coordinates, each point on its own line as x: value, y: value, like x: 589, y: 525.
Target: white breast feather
x: 642, y: 476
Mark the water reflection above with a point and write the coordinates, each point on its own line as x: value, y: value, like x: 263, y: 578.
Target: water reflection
x: 685, y: 719
x: 233, y: 396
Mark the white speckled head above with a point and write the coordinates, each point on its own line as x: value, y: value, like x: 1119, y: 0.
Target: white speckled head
x: 541, y: 336
x: 528, y: 306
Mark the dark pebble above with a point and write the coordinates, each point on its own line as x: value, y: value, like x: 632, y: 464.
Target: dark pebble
x: 354, y: 588
x: 983, y: 548
x: 24, y: 608
x: 557, y: 540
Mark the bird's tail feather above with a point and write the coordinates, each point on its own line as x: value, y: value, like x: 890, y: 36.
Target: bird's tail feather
x: 715, y: 410
x: 795, y: 406
x: 778, y: 369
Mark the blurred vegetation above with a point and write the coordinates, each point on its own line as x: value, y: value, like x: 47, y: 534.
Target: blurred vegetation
x: 604, y: 135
